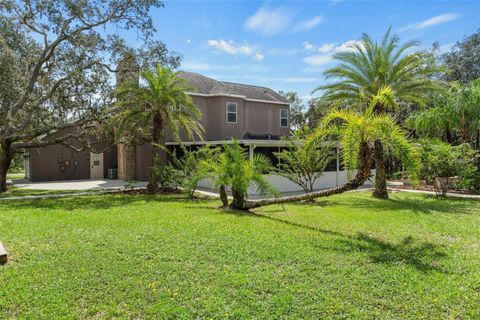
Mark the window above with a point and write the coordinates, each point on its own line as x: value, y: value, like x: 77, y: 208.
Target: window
x: 284, y: 118
x: 231, y: 112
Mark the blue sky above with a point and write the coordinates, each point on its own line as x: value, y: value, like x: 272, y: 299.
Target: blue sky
x: 286, y: 45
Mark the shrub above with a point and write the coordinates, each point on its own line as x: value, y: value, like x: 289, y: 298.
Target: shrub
x: 442, y: 162
x: 168, y: 177
x: 303, y: 162
x: 191, y: 168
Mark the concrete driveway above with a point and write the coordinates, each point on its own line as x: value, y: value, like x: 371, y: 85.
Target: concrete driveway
x: 75, y: 184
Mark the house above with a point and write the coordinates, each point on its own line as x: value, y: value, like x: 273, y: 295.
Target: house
x: 255, y: 116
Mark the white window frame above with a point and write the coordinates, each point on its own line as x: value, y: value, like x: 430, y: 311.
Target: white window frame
x: 227, y: 112
x: 281, y: 118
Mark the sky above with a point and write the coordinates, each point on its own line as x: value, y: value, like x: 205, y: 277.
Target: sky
x: 286, y: 45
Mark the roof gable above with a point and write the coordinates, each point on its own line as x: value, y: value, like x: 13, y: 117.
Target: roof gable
x: 209, y: 86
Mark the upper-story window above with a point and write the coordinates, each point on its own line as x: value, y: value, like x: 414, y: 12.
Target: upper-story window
x: 284, y: 118
x: 231, y: 112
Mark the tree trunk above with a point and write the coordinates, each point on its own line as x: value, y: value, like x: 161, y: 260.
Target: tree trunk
x: 380, y: 180
x: 223, y: 195
x: 158, y: 155
x: 363, y: 173
x: 238, y: 199
x: 6, y: 155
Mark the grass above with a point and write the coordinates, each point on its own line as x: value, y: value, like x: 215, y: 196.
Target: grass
x: 21, y: 192
x: 20, y: 175
x: 345, y: 257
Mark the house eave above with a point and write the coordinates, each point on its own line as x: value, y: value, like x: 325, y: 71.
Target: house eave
x: 238, y: 97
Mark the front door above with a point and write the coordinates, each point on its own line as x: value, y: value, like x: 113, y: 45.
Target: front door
x: 96, y: 166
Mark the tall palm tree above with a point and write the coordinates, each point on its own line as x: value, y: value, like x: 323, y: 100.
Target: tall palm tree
x: 358, y: 133
x: 161, y: 102
x: 379, y: 75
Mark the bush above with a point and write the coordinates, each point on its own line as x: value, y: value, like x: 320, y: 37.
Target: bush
x: 168, y: 177
x: 191, y: 168
x: 442, y: 162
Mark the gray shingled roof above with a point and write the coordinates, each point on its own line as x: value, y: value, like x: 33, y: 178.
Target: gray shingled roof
x: 206, y: 85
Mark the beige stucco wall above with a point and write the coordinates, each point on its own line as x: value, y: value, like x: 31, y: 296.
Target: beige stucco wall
x: 257, y: 118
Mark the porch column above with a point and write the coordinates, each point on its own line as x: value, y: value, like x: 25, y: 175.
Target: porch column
x: 250, y: 151
x: 338, y: 164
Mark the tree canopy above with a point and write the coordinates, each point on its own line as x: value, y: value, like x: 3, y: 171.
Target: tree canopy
x: 58, y: 59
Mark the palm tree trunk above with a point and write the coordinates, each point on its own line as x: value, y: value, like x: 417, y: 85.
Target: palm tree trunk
x: 223, y: 195
x: 238, y: 199
x: 6, y: 156
x: 363, y: 173
x: 380, y: 191
x: 158, y: 140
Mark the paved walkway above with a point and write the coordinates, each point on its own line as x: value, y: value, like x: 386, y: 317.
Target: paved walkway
x: 75, y: 185
x: 88, y: 187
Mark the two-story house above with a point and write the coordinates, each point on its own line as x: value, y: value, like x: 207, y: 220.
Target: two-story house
x: 255, y: 116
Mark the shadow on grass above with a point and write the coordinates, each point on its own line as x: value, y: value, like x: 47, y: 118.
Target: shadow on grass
x: 425, y: 204
x: 423, y: 256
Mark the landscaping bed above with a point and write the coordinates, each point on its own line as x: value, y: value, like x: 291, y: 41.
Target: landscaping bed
x: 399, y: 184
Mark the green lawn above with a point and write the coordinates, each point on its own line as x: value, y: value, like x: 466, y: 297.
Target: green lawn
x: 141, y: 257
x: 21, y: 192
x: 15, y: 175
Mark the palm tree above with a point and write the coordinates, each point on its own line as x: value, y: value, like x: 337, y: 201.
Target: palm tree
x: 161, y: 103
x: 379, y: 75
x: 233, y: 168
x: 358, y: 133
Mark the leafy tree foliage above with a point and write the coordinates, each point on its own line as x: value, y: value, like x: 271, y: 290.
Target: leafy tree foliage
x: 159, y: 104
x: 463, y: 61
x: 453, y: 117
x: 233, y: 169
x: 191, y: 166
x: 442, y: 162
x: 318, y: 108
x: 57, y: 59
x: 357, y: 133
x: 378, y: 76
x: 304, y: 163
x: 297, y: 109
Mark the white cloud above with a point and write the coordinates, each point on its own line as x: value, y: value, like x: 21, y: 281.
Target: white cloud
x: 308, y: 24
x: 433, y: 21
x: 188, y: 40
x: 326, y: 47
x: 308, y: 46
x: 268, y: 21
x: 230, y: 47
x: 318, y: 60
x: 200, y: 66
x: 258, y: 57
x: 327, y: 51
x: 438, y: 20
x: 350, y: 45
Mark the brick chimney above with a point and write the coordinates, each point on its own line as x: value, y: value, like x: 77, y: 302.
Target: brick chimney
x: 127, y: 71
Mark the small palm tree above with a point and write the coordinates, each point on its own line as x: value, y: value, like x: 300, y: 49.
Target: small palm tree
x: 233, y: 168
x: 379, y: 75
x: 358, y: 133
x: 354, y: 129
x: 161, y: 103
x: 304, y: 163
